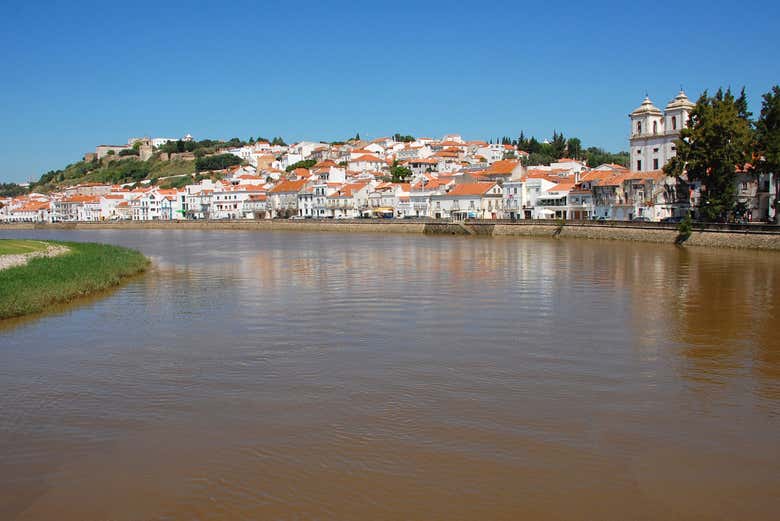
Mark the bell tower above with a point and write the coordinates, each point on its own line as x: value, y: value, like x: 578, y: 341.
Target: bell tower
x: 647, y: 132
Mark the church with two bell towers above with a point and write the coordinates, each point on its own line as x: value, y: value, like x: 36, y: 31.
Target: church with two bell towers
x: 653, y: 132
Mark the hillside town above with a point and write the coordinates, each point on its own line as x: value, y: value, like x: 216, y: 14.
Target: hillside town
x: 416, y: 178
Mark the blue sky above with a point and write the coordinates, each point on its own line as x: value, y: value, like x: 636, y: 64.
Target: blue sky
x: 78, y: 74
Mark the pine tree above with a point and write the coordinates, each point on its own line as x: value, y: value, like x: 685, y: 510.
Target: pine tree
x: 558, y: 145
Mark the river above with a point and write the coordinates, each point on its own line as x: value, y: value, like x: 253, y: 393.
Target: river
x: 294, y: 375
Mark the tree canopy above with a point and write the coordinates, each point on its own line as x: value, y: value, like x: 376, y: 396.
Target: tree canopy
x: 217, y: 162
x: 11, y: 190
x: 403, y: 139
x: 306, y: 163
x: 398, y: 173
x: 713, y: 148
x: 767, y: 142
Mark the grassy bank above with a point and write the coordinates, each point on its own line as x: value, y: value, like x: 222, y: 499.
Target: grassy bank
x: 87, y: 268
x: 20, y: 246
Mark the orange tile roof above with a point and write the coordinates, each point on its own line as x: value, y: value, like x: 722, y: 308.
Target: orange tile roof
x: 367, y: 158
x: 328, y: 163
x: 288, y: 186
x: 33, y: 207
x: 561, y: 187
x: 471, y: 188
x: 81, y: 199
x: 503, y: 167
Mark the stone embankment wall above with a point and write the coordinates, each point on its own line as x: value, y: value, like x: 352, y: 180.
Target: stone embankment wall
x: 720, y: 236
x: 367, y: 226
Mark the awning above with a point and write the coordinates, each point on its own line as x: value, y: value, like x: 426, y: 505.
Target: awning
x: 545, y: 211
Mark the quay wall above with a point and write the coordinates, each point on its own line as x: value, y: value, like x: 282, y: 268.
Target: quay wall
x: 718, y: 236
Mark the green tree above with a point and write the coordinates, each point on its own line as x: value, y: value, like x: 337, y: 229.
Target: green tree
x: 574, y: 146
x: 218, y: 162
x: 767, y: 148
x: 11, y: 190
x: 558, y: 145
x: 595, y: 156
x: 767, y: 145
x: 713, y: 146
x: 306, y: 163
x: 399, y: 173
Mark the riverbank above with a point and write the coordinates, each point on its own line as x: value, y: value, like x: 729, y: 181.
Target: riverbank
x: 77, y: 270
x: 718, y: 236
x: 19, y: 252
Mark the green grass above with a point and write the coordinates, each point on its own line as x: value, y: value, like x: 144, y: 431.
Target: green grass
x: 87, y: 268
x: 20, y: 246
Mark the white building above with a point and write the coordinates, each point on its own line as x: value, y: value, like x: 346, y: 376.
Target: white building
x: 653, y: 132
x: 469, y: 201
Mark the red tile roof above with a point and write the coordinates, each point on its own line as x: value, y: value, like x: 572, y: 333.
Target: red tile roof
x: 471, y: 188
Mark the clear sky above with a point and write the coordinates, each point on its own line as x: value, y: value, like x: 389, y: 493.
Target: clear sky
x: 78, y: 74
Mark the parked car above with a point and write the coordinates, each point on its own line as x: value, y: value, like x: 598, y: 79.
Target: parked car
x: 640, y: 219
x: 672, y: 220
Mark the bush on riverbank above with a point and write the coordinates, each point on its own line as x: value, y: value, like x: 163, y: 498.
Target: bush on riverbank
x: 87, y: 268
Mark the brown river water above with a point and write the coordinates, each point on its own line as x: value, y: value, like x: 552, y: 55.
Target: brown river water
x: 262, y: 375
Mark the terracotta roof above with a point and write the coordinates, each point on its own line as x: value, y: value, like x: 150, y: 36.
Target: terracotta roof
x: 81, y: 199
x: 288, y: 186
x: 503, y: 167
x: 367, y: 158
x: 561, y: 187
x: 471, y: 188
x: 328, y: 163
x: 32, y: 207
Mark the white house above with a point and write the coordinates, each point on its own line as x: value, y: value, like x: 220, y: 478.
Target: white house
x: 469, y: 201
x: 367, y: 163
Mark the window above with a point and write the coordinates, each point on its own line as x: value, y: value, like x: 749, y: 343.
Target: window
x: 655, y: 164
x: 639, y: 165
x: 655, y: 150
x: 639, y: 127
x: 674, y: 122
x: 744, y: 185
x: 655, y: 127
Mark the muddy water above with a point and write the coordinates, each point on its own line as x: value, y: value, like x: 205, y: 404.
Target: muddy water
x: 329, y: 376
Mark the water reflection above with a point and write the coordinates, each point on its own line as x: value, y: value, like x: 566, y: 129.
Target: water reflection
x: 265, y: 375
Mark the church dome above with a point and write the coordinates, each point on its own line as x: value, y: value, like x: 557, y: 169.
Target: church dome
x: 681, y: 101
x: 647, y: 108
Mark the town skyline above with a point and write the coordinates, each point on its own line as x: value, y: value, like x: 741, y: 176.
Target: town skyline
x: 416, y: 69
x: 495, y: 137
